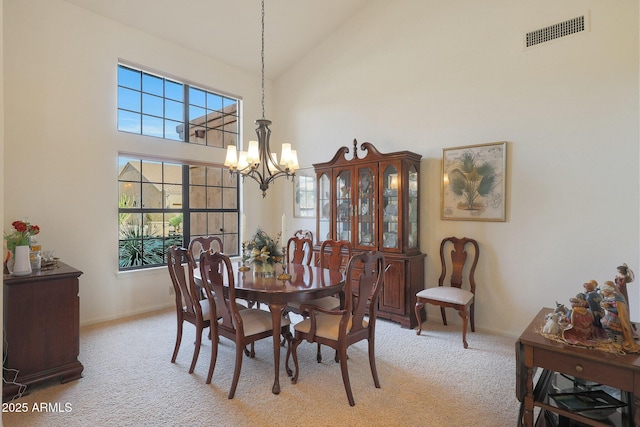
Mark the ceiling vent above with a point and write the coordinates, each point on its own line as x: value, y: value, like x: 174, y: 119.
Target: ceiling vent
x: 556, y: 31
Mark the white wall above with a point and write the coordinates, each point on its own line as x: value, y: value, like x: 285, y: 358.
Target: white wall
x: 60, y: 168
x: 422, y: 75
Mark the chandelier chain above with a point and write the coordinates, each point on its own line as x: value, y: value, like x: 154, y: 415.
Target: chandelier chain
x: 262, y: 59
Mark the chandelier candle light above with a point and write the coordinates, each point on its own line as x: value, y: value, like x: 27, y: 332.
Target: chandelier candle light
x: 258, y: 162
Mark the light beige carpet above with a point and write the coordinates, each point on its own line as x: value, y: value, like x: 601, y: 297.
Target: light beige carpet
x: 428, y: 380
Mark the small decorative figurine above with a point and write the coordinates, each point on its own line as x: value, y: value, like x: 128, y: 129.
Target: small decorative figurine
x: 551, y: 327
x: 624, y: 276
x: 616, y: 318
x: 592, y: 294
x: 580, y: 329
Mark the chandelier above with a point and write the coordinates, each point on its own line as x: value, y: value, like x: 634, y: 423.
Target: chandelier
x: 258, y: 162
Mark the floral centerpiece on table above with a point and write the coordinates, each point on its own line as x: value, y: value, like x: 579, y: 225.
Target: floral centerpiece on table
x: 21, y: 236
x: 262, y: 251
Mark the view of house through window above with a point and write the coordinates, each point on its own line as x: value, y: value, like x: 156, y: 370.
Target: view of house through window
x: 163, y: 204
x: 154, y: 105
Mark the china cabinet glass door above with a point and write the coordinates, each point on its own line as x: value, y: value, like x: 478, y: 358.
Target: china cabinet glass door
x: 390, y: 214
x: 366, y: 211
x: 413, y: 208
x: 343, y: 205
x: 323, y: 231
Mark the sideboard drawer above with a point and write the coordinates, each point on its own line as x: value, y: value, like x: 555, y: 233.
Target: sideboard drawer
x: 583, y: 368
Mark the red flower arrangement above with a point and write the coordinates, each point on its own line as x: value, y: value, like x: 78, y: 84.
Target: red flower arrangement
x: 22, y: 234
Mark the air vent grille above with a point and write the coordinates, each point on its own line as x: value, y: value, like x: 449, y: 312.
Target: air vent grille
x: 552, y: 32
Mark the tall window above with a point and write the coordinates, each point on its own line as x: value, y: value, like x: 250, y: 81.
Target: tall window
x: 163, y: 204
x: 153, y: 105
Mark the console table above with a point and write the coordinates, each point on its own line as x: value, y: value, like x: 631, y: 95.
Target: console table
x: 42, y: 329
x: 535, y: 351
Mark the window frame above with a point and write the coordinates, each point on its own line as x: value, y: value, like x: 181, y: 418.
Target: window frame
x: 144, y: 234
x: 217, y: 114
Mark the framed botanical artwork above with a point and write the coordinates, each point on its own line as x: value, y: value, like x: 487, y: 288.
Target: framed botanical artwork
x: 304, y: 193
x: 474, y: 182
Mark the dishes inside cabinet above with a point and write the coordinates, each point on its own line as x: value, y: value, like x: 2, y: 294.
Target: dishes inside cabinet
x: 390, y: 240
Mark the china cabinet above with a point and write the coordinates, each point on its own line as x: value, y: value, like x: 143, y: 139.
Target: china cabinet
x: 372, y: 201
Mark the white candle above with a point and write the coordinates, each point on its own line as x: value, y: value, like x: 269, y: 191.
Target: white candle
x: 243, y: 229
x: 282, y: 242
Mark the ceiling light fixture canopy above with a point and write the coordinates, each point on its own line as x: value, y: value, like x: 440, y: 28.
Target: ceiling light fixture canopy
x: 258, y: 162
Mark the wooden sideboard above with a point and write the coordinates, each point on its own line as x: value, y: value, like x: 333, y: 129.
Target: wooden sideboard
x: 533, y: 351
x: 41, y: 329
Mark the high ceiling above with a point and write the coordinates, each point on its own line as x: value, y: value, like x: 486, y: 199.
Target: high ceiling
x: 229, y: 30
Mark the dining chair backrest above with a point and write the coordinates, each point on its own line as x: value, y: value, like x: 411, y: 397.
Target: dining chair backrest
x: 335, y: 254
x: 216, y: 269
x: 366, y: 272
x: 299, y: 250
x: 183, y: 281
x: 200, y: 244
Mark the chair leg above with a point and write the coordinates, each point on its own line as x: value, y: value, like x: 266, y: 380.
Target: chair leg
x: 345, y: 373
x: 444, y: 316
x: 294, y: 352
x: 473, y: 324
x: 419, y: 305
x: 465, y: 318
x: 319, y: 354
x: 286, y: 337
x: 178, y: 341
x: 214, y: 357
x: 236, y: 371
x: 372, y: 360
x: 196, y: 349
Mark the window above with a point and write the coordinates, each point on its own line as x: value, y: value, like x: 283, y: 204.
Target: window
x: 153, y: 105
x: 163, y: 204
x: 304, y: 195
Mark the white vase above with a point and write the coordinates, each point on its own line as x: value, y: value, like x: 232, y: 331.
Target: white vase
x: 22, y: 262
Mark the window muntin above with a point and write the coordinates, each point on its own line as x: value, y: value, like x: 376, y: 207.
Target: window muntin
x: 153, y: 105
x: 164, y: 203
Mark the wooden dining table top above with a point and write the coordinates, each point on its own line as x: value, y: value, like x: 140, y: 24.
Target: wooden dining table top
x: 307, y: 282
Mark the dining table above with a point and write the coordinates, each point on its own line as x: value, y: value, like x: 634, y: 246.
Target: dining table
x: 306, y: 282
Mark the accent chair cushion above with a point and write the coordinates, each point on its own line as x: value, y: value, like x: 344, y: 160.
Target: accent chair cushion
x: 447, y: 294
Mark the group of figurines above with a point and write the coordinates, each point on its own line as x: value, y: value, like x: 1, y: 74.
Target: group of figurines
x: 599, y: 314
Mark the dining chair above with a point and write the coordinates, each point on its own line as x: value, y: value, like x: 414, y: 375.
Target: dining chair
x: 299, y: 250
x: 189, y: 306
x: 243, y: 327
x: 334, y: 255
x: 343, y: 327
x: 453, y: 296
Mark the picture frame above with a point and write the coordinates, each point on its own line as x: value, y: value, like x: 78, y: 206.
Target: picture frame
x: 473, y: 182
x: 304, y: 193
